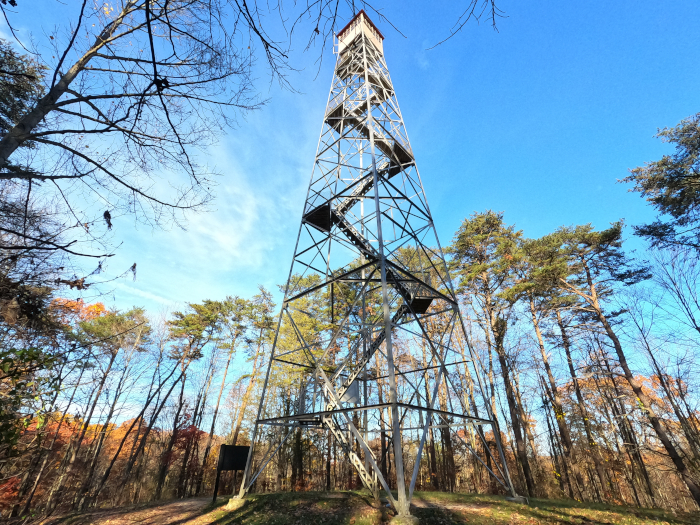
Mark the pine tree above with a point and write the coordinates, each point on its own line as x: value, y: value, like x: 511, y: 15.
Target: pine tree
x: 672, y: 186
x: 484, y: 253
x: 596, y: 266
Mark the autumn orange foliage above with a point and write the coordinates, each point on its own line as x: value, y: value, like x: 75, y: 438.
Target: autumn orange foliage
x: 78, y: 309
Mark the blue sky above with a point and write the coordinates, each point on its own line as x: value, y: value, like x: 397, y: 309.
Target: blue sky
x: 538, y: 120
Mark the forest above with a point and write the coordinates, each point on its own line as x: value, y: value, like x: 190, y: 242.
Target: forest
x: 589, y: 354
x: 589, y: 349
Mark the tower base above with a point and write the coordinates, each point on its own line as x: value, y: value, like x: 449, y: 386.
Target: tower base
x: 235, y: 503
x: 404, y: 520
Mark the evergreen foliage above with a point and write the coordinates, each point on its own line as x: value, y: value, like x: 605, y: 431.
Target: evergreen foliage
x: 672, y: 186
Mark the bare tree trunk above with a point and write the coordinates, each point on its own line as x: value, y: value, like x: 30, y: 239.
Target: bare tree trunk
x: 182, y: 477
x: 297, y: 462
x: 555, y: 397
x: 644, y: 401
x: 560, y: 471
x: 521, y: 449
x: 646, y: 406
x: 328, y: 461
x: 165, y: 457
x: 450, y: 471
x: 592, y: 444
x: 691, y: 435
x: 47, y: 453
x: 357, y: 483
x: 433, y: 474
x: 629, y: 437
x: 139, y: 418
x: 246, y: 397
x: 207, y: 448
x: 336, y: 475
x: 193, y: 443
x: 382, y: 430
x: 469, y: 403
x: 80, y: 497
x: 75, y: 445
x: 524, y: 418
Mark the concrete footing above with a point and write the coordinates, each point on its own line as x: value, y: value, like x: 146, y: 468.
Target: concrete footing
x: 518, y: 499
x: 235, y: 503
x: 404, y: 520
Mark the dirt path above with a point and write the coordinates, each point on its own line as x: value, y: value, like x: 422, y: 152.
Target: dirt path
x: 479, y: 508
x: 178, y: 512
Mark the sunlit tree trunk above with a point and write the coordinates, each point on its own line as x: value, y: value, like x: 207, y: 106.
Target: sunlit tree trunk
x: 644, y: 402
x: 555, y: 397
x: 139, y: 418
x: 80, y: 497
x: 75, y: 445
x: 210, y: 437
x: 165, y: 458
x: 592, y: 444
x: 560, y: 471
x: 450, y: 471
x: 629, y: 436
x: 193, y: 443
x: 521, y: 449
x: 246, y: 397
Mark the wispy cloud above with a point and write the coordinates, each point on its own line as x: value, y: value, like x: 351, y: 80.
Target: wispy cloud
x: 137, y: 292
x: 422, y: 56
x: 247, y: 238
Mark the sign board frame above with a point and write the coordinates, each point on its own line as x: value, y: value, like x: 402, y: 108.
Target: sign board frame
x: 231, y: 457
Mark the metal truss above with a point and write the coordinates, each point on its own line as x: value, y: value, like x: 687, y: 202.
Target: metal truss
x: 370, y: 335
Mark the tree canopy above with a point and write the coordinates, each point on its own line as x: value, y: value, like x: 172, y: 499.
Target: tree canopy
x: 672, y: 186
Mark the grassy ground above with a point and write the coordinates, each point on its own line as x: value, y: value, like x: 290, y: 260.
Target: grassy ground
x: 435, y: 508
x: 355, y: 508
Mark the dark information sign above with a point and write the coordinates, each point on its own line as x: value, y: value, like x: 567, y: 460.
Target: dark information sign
x: 231, y: 457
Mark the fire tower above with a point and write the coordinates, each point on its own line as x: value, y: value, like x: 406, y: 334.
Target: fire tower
x: 370, y: 345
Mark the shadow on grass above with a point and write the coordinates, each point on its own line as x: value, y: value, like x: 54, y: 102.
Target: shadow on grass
x: 477, y: 509
x: 307, y: 508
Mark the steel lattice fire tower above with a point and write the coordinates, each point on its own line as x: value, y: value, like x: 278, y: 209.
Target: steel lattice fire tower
x: 370, y: 336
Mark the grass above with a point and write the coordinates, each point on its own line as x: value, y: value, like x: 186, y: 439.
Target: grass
x: 301, y: 508
x: 432, y: 508
x: 476, y: 509
x: 356, y: 508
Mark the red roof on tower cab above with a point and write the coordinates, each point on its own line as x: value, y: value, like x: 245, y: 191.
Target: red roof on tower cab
x: 362, y: 12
